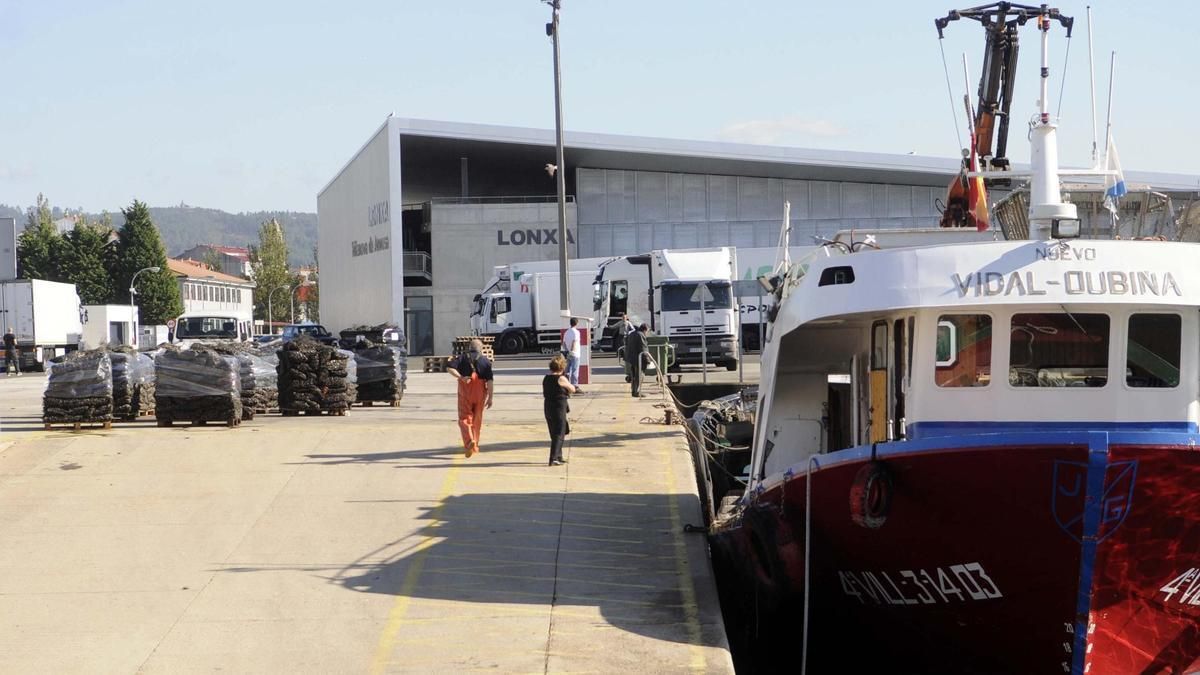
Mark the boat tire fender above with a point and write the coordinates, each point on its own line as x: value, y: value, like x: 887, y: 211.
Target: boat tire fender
x: 871, y: 495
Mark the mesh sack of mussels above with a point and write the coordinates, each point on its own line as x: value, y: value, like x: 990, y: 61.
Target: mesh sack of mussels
x: 197, y: 385
x: 241, y: 351
x: 351, y: 376
x: 381, y: 371
x: 79, y: 388
x: 266, y: 382
x: 312, y: 377
x: 143, y: 390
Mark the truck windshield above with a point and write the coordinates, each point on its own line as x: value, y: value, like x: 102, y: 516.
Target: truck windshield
x: 207, y: 327
x: 678, y: 297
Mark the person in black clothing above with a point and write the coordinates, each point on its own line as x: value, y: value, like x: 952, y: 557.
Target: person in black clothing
x: 10, y: 353
x: 635, y: 355
x: 556, y: 388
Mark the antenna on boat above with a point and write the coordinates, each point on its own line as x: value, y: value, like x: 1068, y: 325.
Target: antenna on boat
x: 1046, y: 207
x: 1092, y: 80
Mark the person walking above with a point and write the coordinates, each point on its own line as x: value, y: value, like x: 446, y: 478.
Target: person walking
x: 10, y: 353
x: 473, y: 371
x: 556, y: 388
x: 570, y: 350
x: 635, y: 355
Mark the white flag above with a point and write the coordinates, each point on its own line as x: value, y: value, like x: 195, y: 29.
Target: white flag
x: 1114, y: 183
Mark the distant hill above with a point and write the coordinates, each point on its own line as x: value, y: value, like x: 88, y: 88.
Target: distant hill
x: 183, y: 227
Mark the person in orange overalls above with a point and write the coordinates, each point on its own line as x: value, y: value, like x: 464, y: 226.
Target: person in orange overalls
x: 473, y: 371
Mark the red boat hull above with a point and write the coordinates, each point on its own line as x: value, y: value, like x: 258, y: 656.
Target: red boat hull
x: 1053, y: 553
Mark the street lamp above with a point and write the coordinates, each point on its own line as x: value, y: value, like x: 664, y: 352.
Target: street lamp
x: 133, y: 305
x: 270, y: 314
x: 559, y: 171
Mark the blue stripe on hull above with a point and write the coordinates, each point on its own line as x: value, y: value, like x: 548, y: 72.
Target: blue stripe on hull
x: 926, y: 430
x: 1096, y: 470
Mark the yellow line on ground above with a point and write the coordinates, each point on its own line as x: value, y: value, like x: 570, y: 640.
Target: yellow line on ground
x: 686, y: 589
x: 395, y: 620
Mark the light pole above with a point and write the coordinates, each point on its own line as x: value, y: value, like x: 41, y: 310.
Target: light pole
x: 560, y: 170
x: 133, y: 305
x: 270, y: 314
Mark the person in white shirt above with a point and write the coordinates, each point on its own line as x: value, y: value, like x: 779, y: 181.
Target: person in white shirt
x: 570, y: 349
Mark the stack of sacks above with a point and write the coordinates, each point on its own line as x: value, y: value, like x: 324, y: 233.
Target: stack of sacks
x: 312, y: 377
x: 266, y: 382
x: 79, y: 389
x: 197, y: 385
x: 380, y: 372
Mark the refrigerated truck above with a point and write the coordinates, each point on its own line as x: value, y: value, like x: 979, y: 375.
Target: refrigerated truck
x: 45, y: 316
x: 527, y: 314
x: 662, y: 288
x: 519, y: 306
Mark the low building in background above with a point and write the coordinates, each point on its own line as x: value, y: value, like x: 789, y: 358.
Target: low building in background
x: 108, y: 324
x: 235, y: 260
x: 210, y: 292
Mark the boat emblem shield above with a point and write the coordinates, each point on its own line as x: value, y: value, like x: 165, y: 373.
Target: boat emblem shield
x: 1070, y: 500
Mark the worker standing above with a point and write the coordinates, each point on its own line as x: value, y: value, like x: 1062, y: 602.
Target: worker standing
x: 473, y: 371
x: 10, y: 353
x: 635, y: 354
x: 570, y: 351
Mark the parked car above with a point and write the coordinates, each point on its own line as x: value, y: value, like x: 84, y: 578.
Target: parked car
x: 313, y: 330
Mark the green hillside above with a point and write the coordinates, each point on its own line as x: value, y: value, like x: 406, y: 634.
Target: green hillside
x: 183, y: 227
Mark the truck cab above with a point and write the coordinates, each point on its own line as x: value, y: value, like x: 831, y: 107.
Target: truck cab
x: 193, y: 328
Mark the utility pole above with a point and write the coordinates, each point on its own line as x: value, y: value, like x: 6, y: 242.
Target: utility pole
x: 560, y: 170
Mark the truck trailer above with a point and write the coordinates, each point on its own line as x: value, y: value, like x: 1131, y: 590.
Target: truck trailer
x: 683, y: 294
x: 46, y: 317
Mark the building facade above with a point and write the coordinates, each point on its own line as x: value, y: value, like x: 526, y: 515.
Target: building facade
x: 411, y: 228
x: 234, y: 260
x: 208, y: 292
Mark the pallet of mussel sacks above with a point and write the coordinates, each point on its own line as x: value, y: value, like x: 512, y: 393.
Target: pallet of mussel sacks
x: 256, y: 377
x: 382, y: 373
x: 314, y: 378
x: 133, y: 383
x: 197, y: 386
x: 79, y: 391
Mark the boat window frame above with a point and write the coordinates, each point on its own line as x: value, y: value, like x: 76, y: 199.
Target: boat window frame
x: 1114, y: 341
x: 937, y: 324
x: 1125, y: 352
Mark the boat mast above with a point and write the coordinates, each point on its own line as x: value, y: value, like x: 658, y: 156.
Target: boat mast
x: 1045, y: 198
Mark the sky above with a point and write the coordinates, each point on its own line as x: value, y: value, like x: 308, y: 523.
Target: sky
x: 254, y: 105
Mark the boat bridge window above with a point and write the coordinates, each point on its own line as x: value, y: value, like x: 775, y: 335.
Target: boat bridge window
x: 833, y: 276
x: 964, y: 350
x: 1152, y: 358
x: 1058, y: 350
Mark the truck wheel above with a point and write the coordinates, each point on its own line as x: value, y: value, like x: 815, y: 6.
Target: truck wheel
x: 731, y: 364
x: 511, y: 343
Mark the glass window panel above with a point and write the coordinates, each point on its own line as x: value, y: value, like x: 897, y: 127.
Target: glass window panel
x: 1152, y: 359
x: 963, y: 350
x: 1058, y: 350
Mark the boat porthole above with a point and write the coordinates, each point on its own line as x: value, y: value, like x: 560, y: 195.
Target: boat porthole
x: 871, y: 495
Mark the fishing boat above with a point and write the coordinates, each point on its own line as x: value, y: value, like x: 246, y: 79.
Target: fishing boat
x: 977, y: 457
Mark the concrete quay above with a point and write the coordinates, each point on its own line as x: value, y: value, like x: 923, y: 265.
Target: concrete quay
x: 364, y: 543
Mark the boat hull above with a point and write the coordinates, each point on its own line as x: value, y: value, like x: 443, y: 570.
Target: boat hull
x: 1035, y: 553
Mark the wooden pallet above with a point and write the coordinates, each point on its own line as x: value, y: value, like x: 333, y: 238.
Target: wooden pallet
x: 436, y: 364
x: 78, y: 426
x: 314, y: 413
x: 200, y: 423
x: 368, y: 404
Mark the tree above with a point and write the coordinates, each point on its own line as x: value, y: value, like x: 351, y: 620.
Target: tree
x: 140, y: 247
x: 87, y: 259
x: 39, y: 247
x: 211, y: 259
x: 312, y: 294
x: 269, y: 264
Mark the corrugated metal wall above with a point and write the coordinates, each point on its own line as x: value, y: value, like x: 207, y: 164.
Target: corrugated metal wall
x: 622, y: 212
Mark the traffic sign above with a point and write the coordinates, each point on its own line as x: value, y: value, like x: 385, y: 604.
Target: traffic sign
x: 170, y: 323
x: 702, y: 294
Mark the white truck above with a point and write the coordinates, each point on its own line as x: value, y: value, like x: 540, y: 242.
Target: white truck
x: 662, y: 289
x: 209, y: 327
x: 520, y: 306
x: 44, y: 315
